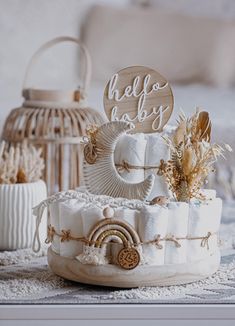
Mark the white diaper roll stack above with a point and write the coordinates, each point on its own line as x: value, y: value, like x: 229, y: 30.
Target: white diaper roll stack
x: 146, y: 151
x: 187, y: 232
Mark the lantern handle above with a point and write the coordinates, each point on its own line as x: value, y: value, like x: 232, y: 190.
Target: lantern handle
x: 51, y: 43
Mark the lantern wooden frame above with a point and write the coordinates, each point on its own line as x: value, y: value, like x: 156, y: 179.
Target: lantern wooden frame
x: 57, y: 121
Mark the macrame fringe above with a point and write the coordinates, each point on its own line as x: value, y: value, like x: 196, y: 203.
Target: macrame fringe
x: 92, y: 256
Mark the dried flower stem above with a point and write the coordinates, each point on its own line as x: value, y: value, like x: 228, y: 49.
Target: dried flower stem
x: 192, y: 156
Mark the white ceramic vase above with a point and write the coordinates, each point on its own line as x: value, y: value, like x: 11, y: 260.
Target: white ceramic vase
x: 17, y: 223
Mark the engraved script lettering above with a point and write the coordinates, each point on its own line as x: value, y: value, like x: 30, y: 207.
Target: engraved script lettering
x: 132, y: 90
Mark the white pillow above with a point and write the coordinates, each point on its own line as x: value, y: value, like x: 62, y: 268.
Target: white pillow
x: 182, y: 48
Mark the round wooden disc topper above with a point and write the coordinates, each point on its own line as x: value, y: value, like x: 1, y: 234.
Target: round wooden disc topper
x: 139, y: 95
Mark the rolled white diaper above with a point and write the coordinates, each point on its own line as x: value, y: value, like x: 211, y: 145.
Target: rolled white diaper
x: 153, y: 221
x: 71, y: 219
x: 131, y: 149
x: 91, y: 214
x: 204, y: 217
x: 128, y: 215
x: 156, y: 150
x: 178, y: 227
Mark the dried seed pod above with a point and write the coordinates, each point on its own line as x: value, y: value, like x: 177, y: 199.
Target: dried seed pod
x: 159, y: 200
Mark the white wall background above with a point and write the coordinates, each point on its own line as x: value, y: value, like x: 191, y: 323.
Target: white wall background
x: 26, y: 24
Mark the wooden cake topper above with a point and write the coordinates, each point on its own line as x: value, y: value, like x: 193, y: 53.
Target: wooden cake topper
x: 139, y: 95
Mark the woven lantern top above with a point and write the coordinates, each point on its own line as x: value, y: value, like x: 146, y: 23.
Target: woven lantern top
x: 47, y: 115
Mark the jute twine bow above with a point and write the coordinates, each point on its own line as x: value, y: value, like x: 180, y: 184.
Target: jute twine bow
x: 66, y: 234
x: 173, y: 239
x: 50, y: 234
x: 157, y: 242
x: 205, y: 240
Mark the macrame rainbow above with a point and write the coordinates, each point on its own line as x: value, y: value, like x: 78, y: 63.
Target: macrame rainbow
x: 102, y: 234
x: 113, y: 230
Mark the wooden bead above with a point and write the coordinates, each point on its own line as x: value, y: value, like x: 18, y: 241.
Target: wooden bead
x: 108, y: 212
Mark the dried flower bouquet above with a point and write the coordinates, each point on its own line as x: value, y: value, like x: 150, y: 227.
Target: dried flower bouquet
x: 192, y: 156
x: 20, y: 164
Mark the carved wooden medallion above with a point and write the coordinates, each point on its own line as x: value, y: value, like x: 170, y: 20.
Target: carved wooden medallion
x: 139, y: 95
x: 128, y: 258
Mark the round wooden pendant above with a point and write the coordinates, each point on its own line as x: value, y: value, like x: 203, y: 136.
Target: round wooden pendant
x: 139, y: 95
x: 89, y: 154
x: 128, y: 258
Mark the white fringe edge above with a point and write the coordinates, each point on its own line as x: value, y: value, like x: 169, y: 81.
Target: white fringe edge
x: 92, y: 256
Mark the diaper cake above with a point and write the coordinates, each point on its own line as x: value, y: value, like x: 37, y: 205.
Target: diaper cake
x: 143, y: 217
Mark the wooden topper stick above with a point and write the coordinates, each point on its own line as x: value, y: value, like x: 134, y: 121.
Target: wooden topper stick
x: 139, y: 95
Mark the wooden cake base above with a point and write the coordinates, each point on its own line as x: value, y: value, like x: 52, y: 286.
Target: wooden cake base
x: 143, y: 275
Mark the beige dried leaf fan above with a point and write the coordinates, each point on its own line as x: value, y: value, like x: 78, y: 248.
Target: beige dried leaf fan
x: 55, y: 120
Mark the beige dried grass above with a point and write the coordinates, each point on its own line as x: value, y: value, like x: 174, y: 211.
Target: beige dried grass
x: 192, y: 156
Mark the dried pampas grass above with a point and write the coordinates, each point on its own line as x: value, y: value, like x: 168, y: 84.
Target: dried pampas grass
x: 20, y: 164
x: 192, y: 156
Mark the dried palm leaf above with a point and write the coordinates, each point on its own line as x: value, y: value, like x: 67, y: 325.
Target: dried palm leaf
x: 187, y: 162
x: 204, y: 126
x: 179, y: 133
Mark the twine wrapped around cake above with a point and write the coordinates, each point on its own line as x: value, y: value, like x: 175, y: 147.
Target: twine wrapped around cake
x: 56, y: 120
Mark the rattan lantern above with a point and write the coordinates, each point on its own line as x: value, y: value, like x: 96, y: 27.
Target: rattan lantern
x: 57, y: 121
